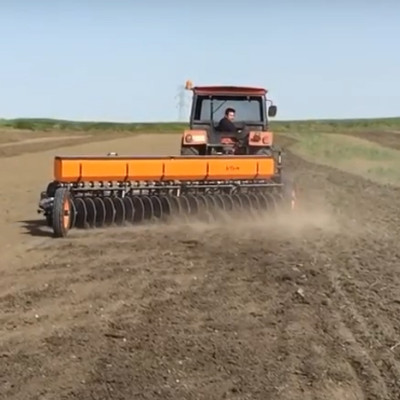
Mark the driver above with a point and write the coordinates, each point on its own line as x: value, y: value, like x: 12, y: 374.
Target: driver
x: 226, y: 124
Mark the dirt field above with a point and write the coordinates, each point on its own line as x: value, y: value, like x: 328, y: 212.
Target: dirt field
x: 304, y: 307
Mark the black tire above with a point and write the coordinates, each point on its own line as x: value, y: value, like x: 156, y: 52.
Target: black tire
x: 62, y: 212
x: 263, y: 151
x: 49, y: 220
x: 189, y: 151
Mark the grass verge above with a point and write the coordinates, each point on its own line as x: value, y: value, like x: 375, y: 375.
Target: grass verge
x: 352, y: 125
x: 350, y: 154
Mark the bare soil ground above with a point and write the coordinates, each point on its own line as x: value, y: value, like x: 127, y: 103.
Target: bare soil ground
x: 303, y: 307
x: 17, y: 142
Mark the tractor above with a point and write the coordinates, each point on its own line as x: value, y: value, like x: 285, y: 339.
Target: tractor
x: 252, y: 136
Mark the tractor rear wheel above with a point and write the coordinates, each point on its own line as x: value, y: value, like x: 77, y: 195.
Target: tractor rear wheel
x: 189, y: 151
x: 264, y: 151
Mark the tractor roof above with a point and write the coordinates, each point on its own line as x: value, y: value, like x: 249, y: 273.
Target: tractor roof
x: 229, y: 90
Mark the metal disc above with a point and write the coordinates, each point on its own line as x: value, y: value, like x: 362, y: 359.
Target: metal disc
x: 237, y: 202
x: 228, y: 202
x: 165, y: 206
x: 263, y: 200
x: 245, y: 200
x: 157, y: 206
x: 138, y: 215
x: 100, y: 211
x: 202, y: 202
x: 119, y: 211
x: 129, y: 209
x: 185, y: 206
x: 73, y: 213
x: 273, y: 201
x: 91, y: 212
x: 212, y: 205
x: 202, y: 206
x: 110, y: 211
x: 255, y: 205
x: 176, y: 208
x: 220, y: 201
x: 193, y: 204
x: 148, y: 208
x: 81, y: 213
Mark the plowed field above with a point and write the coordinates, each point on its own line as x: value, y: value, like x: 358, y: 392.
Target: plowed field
x: 269, y: 307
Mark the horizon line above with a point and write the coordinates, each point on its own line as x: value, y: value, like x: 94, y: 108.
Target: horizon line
x: 55, y: 120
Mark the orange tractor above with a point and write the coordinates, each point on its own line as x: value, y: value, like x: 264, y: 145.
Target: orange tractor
x: 250, y: 134
x: 215, y: 171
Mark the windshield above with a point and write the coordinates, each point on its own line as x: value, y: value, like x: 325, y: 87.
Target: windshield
x: 247, y: 108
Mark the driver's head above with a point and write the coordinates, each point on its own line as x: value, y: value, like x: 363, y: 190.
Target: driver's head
x: 230, y: 114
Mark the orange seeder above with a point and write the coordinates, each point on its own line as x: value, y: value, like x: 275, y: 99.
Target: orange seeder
x: 99, y: 191
x: 161, y: 169
x: 214, y: 172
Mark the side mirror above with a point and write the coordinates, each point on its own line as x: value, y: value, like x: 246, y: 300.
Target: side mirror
x: 272, y: 111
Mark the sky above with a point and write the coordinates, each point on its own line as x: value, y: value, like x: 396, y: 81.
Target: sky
x: 125, y: 60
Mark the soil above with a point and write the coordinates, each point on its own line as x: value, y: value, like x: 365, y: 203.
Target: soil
x: 262, y: 307
x: 44, y: 139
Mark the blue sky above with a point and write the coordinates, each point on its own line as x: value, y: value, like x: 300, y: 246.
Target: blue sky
x: 124, y: 60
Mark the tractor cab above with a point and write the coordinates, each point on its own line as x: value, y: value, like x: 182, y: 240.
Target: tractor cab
x: 209, y: 104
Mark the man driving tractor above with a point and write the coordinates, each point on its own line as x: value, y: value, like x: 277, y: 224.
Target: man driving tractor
x: 226, y: 125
